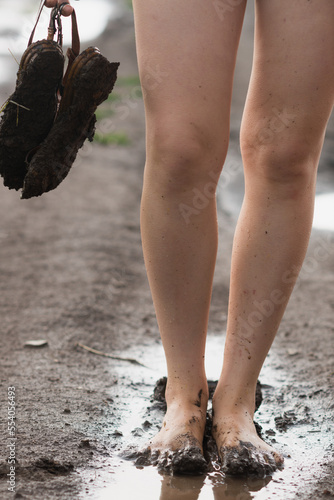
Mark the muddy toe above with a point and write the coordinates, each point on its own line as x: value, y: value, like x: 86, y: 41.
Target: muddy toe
x: 189, y: 460
x: 155, y: 457
x: 246, y: 459
x: 143, y: 460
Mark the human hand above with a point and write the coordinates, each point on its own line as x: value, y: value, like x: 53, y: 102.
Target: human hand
x: 66, y: 11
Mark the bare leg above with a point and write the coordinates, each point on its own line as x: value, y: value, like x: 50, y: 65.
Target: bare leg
x: 186, y: 55
x: 289, y: 102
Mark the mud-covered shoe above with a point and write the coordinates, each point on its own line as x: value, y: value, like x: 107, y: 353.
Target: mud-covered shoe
x: 30, y: 111
x: 87, y: 84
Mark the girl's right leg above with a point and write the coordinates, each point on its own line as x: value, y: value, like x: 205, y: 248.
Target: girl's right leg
x: 289, y: 102
x: 186, y: 53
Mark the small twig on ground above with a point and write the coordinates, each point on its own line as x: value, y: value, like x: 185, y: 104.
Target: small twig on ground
x: 112, y: 356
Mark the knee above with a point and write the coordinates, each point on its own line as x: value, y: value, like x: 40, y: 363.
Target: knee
x: 287, y: 161
x: 181, y: 158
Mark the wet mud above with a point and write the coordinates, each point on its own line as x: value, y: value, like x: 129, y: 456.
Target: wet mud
x: 246, y: 460
x: 186, y: 460
x: 189, y: 459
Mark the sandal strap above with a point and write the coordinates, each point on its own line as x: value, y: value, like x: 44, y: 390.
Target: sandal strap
x: 75, y: 49
x: 38, y: 16
x: 75, y: 34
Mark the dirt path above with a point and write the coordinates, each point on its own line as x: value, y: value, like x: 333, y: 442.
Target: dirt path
x: 71, y: 270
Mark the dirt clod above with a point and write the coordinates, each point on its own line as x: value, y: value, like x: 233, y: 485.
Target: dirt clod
x: 282, y: 422
x: 53, y: 467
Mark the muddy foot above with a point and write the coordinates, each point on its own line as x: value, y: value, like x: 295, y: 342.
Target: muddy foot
x: 241, y: 451
x: 186, y: 459
x: 247, y: 459
x: 178, y: 447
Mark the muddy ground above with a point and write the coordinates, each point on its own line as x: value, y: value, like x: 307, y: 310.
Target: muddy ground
x: 71, y: 271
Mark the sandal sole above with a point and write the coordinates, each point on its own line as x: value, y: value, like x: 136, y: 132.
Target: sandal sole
x: 30, y: 111
x: 90, y: 81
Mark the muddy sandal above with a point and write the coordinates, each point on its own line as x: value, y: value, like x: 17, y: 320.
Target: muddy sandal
x: 30, y: 111
x: 88, y: 81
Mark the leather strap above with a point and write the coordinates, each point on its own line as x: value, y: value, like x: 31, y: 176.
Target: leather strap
x: 38, y: 16
x: 75, y: 33
x: 75, y: 49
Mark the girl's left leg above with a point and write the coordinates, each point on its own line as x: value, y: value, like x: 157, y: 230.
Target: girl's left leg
x: 186, y: 56
x: 289, y: 102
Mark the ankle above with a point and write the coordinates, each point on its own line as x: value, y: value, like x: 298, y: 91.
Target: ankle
x: 228, y: 400
x: 194, y: 396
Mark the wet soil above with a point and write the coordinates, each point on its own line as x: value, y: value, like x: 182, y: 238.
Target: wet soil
x: 71, y: 271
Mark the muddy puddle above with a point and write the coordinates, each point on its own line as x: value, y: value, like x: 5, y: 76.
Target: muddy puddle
x: 298, y: 428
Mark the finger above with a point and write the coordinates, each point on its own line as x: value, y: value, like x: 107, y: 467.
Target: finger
x: 66, y: 10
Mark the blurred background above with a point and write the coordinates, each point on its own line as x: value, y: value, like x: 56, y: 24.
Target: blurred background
x: 16, y: 22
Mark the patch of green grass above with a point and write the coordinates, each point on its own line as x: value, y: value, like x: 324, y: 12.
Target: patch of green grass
x: 128, y: 81
x: 116, y: 138
x: 102, y: 113
x: 114, y: 97
x: 105, y: 110
x: 128, y: 3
